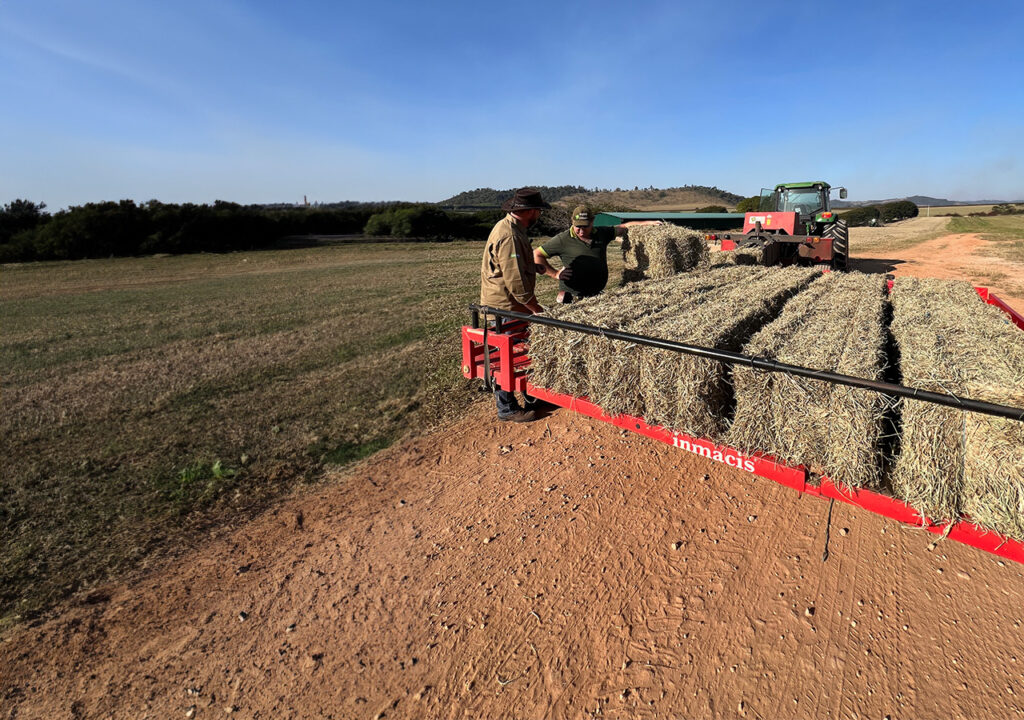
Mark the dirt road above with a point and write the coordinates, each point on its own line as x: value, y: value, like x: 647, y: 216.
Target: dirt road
x: 554, y: 570
x: 919, y: 248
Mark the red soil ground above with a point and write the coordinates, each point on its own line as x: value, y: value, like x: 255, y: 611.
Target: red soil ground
x: 958, y: 257
x: 559, y: 569
x: 555, y: 570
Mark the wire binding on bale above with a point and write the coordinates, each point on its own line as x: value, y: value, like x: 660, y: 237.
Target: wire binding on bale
x: 837, y: 325
x: 953, y: 462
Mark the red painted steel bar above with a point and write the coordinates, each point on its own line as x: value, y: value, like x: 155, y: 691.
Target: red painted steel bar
x: 510, y: 359
x: 796, y: 478
x: 1015, y: 317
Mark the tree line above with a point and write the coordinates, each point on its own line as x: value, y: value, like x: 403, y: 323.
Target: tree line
x: 880, y: 214
x: 28, y: 232
x: 491, y: 198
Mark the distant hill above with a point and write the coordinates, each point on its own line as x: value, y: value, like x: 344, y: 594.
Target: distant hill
x: 489, y: 198
x: 919, y: 200
x: 688, y: 197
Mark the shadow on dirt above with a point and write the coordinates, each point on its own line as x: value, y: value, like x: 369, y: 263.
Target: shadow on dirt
x: 879, y: 266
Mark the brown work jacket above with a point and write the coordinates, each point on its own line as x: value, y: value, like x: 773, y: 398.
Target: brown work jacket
x: 508, y: 274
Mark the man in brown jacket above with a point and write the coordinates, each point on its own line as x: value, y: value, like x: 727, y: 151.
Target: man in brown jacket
x: 508, y: 275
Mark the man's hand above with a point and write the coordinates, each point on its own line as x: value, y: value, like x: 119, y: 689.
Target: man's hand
x: 564, y: 274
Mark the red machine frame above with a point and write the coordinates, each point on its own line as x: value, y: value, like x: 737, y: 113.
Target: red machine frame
x: 508, y: 361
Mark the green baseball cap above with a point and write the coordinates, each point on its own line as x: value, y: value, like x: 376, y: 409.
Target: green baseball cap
x: 582, y: 217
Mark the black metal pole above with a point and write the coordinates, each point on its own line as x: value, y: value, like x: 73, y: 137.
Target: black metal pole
x: 759, y: 363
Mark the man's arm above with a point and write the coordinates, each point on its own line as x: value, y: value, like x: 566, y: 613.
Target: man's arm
x: 623, y: 229
x: 540, y: 258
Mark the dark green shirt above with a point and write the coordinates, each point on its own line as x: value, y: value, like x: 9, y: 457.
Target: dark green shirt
x: 589, y: 263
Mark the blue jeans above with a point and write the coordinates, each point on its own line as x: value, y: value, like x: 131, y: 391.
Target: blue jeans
x: 507, y: 403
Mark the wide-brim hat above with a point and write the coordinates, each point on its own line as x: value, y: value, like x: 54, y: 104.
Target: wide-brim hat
x: 525, y: 199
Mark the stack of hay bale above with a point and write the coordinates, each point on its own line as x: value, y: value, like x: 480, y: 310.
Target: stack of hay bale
x: 718, y: 308
x: 837, y: 325
x: 561, y: 360
x: 651, y: 252
x: 951, y: 461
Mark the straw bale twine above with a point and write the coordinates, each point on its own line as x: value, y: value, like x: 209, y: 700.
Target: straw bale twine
x: 950, y: 461
x: 650, y: 252
x: 837, y: 325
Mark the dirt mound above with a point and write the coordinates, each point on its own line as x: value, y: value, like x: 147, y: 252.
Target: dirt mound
x: 557, y: 569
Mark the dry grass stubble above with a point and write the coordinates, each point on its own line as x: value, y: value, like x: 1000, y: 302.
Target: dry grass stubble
x: 150, y: 398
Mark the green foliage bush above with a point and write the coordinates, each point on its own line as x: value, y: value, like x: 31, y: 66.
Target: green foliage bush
x: 713, y: 209
x: 867, y: 215
x: 124, y: 228
x: 750, y: 204
x: 877, y: 214
x: 1004, y: 209
x: 899, y: 210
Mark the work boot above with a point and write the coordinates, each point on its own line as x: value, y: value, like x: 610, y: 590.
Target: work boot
x: 519, y: 416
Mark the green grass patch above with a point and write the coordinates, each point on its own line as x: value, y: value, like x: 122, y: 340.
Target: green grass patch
x: 197, y: 485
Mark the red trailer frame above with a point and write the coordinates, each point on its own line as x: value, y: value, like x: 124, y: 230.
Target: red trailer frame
x: 509, y: 359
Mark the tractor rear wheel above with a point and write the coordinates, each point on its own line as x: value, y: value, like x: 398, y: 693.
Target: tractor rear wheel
x: 840, y: 234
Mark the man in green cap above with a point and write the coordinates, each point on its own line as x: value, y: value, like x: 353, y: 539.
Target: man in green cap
x: 583, y: 251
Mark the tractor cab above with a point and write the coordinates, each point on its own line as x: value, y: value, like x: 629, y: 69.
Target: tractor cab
x: 809, y: 199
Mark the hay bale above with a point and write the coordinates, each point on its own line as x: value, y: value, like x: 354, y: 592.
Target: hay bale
x: 994, y: 463
x: 560, y: 358
x: 613, y: 374
x: 651, y: 252
x: 838, y: 325
x: 953, y: 462
x: 555, y: 357
x: 739, y: 256
x: 685, y: 392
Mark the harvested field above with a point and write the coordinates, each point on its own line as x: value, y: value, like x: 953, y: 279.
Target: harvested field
x: 950, y: 461
x: 838, y: 325
x: 651, y: 252
x: 718, y: 308
x: 146, y: 399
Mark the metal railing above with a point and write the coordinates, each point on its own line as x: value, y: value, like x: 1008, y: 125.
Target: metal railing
x: 759, y: 363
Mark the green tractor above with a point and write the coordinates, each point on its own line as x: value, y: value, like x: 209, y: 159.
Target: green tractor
x: 795, y: 223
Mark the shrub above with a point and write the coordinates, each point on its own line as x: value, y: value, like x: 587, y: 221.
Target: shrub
x: 868, y: 215
x: 750, y: 204
x: 899, y: 210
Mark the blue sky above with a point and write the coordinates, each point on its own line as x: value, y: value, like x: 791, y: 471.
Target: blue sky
x: 266, y: 101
